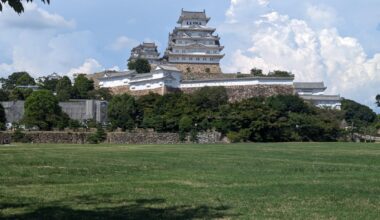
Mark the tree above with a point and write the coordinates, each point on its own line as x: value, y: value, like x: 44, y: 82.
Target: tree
x: 358, y: 114
x: 25, y: 80
x: 378, y: 100
x: 17, y: 79
x: 257, y: 72
x: 17, y: 5
x: 280, y: 73
x: 122, y: 112
x: 3, y: 119
x: 20, y: 94
x: 288, y: 103
x: 48, y: 84
x: 42, y: 110
x: 210, y: 98
x: 82, y: 86
x: 100, y: 94
x: 64, y: 89
x: 140, y: 65
x: 185, y: 124
x: 4, y: 95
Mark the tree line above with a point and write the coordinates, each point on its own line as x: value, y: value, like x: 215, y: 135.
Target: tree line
x: 17, y: 87
x: 276, y: 118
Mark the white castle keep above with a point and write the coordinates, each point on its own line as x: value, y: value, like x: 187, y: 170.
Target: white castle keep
x: 193, y: 41
x: 191, y: 61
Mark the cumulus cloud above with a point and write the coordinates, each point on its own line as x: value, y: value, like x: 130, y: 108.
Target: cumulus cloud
x: 89, y: 66
x: 122, y: 43
x: 41, y: 42
x: 322, y: 16
x: 34, y: 18
x: 276, y: 41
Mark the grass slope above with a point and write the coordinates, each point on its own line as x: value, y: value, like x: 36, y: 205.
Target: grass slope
x: 238, y: 181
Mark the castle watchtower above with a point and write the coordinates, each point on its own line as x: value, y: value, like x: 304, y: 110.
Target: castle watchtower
x: 193, y: 46
x: 146, y: 51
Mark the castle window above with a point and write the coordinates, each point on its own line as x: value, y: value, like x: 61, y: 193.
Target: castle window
x: 183, y: 58
x: 190, y: 58
x: 197, y: 59
x: 204, y: 59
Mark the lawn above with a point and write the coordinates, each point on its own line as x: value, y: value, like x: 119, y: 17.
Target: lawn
x: 237, y: 181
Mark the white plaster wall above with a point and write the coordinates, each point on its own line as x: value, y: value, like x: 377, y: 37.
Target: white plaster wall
x: 113, y: 82
x: 236, y: 83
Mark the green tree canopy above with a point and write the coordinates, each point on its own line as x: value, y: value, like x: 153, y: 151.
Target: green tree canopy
x: 82, y: 86
x: 280, y: 73
x: 100, y: 94
x: 4, y: 95
x: 64, y: 89
x: 3, y: 119
x: 140, y: 65
x: 378, y: 100
x: 17, y: 5
x: 20, y: 94
x: 48, y: 84
x: 288, y: 103
x: 25, y: 80
x: 358, y: 114
x: 42, y: 110
x: 122, y: 112
x: 257, y: 72
x: 17, y: 79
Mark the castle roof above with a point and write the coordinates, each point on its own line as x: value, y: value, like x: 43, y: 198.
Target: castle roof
x: 321, y: 97
x: 193, y: 15
x: 309, y: 85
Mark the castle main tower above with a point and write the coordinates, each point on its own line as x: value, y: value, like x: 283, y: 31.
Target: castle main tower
x: 193, y: 47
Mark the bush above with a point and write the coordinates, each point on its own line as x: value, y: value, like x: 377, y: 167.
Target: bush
x: 194, y: 136
x: 185, y: 124
x: 20, y: 137
x: 93, y: 139
x: 99, y: 136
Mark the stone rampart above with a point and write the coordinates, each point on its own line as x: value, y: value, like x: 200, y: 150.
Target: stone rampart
x: 125, y: 89
x: 138, y: 137
x: 239, y: 93
x: 199, y: 71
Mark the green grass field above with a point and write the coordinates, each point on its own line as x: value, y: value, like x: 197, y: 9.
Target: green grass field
x: 237, y: 181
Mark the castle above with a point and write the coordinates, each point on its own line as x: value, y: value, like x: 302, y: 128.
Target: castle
x: 192, y: 61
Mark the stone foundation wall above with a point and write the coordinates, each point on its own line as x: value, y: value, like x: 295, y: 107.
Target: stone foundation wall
x: 125, y: 89
x: 238, y: 93
x: 198, y: 71
x: 139, y: 137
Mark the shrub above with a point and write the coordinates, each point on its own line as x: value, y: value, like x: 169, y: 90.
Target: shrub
x: 20, y: 137
x: 194, y: 136
x: 99, y: 136
x: 233, y: 136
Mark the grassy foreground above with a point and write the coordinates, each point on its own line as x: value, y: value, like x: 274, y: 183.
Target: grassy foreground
x: 242, y: 181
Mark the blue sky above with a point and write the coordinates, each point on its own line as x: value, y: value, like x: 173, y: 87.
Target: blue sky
x: 335, y: 41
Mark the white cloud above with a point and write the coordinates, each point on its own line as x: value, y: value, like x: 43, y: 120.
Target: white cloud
x: 41, y: 42
x: 245, y: 8
x: 322, y: 16
x: 122, y: 43
x: 89, y: 66
x: 34, y: 18
x: 276, y: 41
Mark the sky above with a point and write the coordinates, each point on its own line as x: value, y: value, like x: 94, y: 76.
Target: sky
x: 335, y: 41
